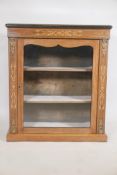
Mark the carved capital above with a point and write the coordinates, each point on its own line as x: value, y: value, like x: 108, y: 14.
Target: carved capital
x: 12, y: 46
x: 104, y: 47
x: 100, y: 126
x: 13, y: 128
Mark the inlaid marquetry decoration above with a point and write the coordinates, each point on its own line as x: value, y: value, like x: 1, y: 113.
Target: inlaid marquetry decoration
x: 58, y: 33
x: 13, y: 86
x: 102, y: 85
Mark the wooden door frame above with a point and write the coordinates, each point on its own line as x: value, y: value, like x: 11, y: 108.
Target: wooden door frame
x: 51, y: 43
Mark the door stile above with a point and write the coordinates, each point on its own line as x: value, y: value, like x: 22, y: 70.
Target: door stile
x: 20, y: 84
x: 94, y: 86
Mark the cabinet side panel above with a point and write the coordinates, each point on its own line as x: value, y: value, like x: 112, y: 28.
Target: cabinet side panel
x: 13, y: 84
x: 102, y: 86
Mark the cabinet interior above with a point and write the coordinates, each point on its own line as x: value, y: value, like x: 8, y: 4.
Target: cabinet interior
x: 57, y: 86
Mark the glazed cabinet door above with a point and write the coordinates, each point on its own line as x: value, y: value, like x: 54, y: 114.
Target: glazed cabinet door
x: 57, y: 85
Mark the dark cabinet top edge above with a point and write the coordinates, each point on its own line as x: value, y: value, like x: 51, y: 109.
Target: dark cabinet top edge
x: 58, y: 26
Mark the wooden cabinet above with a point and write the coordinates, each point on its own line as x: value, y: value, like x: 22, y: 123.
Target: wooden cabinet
x: 57, y: 76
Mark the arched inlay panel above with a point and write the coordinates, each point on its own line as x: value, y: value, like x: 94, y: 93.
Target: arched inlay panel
x: 64, y: 43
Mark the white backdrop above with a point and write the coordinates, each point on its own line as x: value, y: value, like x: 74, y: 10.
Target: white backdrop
x: 71, y: 161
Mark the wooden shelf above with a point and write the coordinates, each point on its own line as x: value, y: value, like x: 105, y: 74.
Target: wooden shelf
x: 57, y: 124
x: 56, y: 99
x: 62, y: 69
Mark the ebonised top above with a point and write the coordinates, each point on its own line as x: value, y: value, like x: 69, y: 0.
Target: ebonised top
x: 58, y: 26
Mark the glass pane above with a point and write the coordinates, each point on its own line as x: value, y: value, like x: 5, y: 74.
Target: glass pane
x: 54, y: 94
